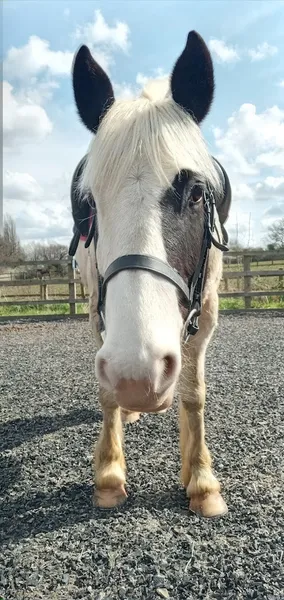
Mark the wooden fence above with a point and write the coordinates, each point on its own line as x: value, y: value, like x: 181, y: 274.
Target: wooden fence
x: 244, y: 260
x: 71, y: 280
x: 247, y: 274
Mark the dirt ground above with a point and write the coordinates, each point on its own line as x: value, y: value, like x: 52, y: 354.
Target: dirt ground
x: 56, y: 546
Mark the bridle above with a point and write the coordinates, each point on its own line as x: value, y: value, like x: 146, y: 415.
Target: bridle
x: 191, y: 291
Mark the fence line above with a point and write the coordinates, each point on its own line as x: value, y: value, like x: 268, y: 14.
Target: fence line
x: 247, y: 274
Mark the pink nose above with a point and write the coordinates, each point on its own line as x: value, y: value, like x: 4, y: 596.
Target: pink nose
x: 156, y: 378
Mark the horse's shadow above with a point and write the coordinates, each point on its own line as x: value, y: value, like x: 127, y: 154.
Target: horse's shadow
x: 10, y: 471
x: 63, y: 507
x: 46, y: 511
x: 17, y: 432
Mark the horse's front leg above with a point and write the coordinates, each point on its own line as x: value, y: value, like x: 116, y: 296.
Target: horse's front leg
x: 197, y: 477
x: 109, y: 463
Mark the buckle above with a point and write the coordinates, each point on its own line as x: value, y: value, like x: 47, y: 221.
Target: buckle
x: 191, y: 324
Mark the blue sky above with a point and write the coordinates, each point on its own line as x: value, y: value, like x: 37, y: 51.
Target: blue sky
x: 244, y: 127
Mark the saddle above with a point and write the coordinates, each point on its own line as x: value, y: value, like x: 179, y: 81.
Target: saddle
x: 84, y: 209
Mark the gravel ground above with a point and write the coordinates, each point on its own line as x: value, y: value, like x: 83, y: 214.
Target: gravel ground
x: 57, y: 546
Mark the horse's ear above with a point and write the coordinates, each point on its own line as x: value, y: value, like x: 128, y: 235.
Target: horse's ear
x: 92, y: 89
x: 192, y: 79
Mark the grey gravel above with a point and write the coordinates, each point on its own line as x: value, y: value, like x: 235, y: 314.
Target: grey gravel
x: 56, y: 546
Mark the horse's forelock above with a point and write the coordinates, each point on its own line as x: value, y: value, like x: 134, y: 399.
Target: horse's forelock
x: 150, y: 131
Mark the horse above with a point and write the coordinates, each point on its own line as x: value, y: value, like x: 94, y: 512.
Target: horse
x: 154, y: 204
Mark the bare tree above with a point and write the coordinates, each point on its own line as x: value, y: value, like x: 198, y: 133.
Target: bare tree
x: 43, y: 252
x: 56, y: 251
x: 275, y: 235
x: 53, y: 251
x: 10, y: 247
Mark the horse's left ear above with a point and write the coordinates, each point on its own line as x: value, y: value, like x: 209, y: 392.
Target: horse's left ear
x: 92, y: 89
x: 192, y: 79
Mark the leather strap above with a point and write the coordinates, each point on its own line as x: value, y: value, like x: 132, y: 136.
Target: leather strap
x: 146, y: 263
x: 74, y: 243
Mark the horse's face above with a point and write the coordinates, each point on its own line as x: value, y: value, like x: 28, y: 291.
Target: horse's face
x: 146, y: 169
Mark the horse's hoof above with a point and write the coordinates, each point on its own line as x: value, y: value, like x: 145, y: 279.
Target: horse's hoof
x: 110, y: 497
x: 208, y: 505
x: 129, y: 417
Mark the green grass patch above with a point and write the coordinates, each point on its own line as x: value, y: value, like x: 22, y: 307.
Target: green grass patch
x: 63, y: 309
x: 264, y: 302
x: 231, y: 303
x: 40, y: 309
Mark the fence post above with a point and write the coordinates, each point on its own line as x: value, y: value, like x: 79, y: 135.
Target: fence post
x: 72, y: 288
x: 43, y: 291
x: 247, y: 280
x: 82, y: 290
x: 280, y: 278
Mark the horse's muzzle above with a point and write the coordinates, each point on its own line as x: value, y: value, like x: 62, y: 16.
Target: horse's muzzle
x: 138, y: 396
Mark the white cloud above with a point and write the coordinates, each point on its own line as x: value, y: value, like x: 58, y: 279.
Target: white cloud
x: 23, y: 122
x: 103, y: 39
x: 37, y: 181
x: 262, y: 51
x: 39, y: 222
x: 99, y: 33
x: 275, y: 158
x: 127, y: 91
x: 274, y: 212
x: 242, y: 191
x: 34, y: 58
x: 271, y: 188
x: 41, y: 212
x: 254, y: 207
x: 35, y: 67
x: 222, y: 52
x: 141, y: 79
x: 37, y: 190
x: 38, y: 92
x: 157, y: 73
x: 275, y: 182
x: 281, y: 83
x: 21, y: 186
x: 66, y: 12
x: 252, y: 139
x: 124, y: 91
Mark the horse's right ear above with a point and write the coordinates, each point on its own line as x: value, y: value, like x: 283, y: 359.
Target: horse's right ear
x: 92, y: 89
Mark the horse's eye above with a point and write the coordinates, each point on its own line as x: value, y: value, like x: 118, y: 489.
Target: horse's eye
x: 196, y: 193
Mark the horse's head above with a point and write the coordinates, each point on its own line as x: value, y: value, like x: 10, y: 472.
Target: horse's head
x: 147, y: 169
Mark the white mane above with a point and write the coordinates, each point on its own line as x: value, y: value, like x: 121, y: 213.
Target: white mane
x: 152, y: 129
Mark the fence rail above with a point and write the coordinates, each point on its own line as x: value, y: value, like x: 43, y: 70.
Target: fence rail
x: 31, y: 282
x: 71, y: 280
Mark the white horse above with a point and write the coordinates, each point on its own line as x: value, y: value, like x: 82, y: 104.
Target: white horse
x: 155, y: 187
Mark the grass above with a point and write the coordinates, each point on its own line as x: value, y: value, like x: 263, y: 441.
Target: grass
x: 63, y: 309
x: 40, y: 309
x: 264, y: 302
